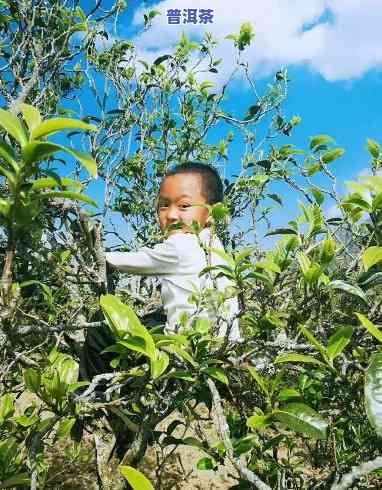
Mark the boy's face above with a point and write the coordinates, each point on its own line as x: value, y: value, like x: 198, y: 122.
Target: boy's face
x: 176, y: 196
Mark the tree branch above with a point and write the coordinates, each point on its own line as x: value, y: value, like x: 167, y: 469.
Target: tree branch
x: 357, y: 472
x: 224, y: 433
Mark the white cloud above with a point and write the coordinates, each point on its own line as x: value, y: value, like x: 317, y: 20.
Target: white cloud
x: 340, y: 39
x: 366, y: 171
x: 333, y: 212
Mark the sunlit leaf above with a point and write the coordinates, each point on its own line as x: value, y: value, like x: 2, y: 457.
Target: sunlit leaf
x: 295, y: 357
x: 32, y: 379
x: 373, y: 392
x: 373, y: 148
x: 136, y: 479
x: 51, y: 183
x: 348, y: 288
x: 125, y: 324
x: 332, y: 155
x: 258, y: 421
x: 12, y: 125
x: 262, y: 382
x: 303, y: 419
x: 65, y: 427
x: 370, y: 327
x: 42, y: 150
x: 159, y: 364
x: 31, y: 115
x: 371, y: 256
x: 206, y: 464
x: 338, y: 341
x: 56, y: 124
x: 320, y: 140
x: 217, y: 373
x: 73, y: 196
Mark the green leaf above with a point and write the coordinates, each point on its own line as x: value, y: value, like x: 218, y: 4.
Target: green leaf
x: 12, y: 125
x: 301, y: 418
x: 262, y: 382
x: 377, y: 202
x: 294, y: 357
x: 338, y: 341
x: 223, y: 255
x: 182, y: 354
x: 67, y: 368
x: 73, y: 196
x: 8, y: 154
x: 313, y: 341
x: 288, y: 394
x: 186, y: 376
x: 46, y: 289
x: 8, y: 174
x: 373, y: 392
x: 51, y: 183
x: 332, y: 155
x: 159, y: 364
x: 348, y: 288
x: 136, y: 479
x: 371, y: 281
x: 319, y: 141
x: 206, y: 464
x: 216, y: 373
x: 219, y: 211
x: 56, y: 124
x: 124, y: 323
x: 65, y: 427
x: 6, y: 406
x: 32, y: 379
x: 370, y: 327
x: 373, y: 148
x: 205, y: 85
x: 319, y: 197
x: 281, y: 231
x: 269, y: 266
x: 15, y: 481
x: 258, y: 421
x: 41, y: 150
x: 5, y: 207
x: 245, y: 444
x: 31, y: 115
x: 372, y: 182
x: 26, y: 421
x: 371, y: 256
x: 161, y: 59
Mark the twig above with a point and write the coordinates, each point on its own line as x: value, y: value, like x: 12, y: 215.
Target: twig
x: 357, y: 472
x: 224, y: 433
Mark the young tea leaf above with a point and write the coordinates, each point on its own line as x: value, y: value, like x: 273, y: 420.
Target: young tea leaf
x: 136, y: 479
x: 301, y: 418
x: 338, y: 341
x: 371, y: 256
x: 371, y: 328
x: 373, y: 392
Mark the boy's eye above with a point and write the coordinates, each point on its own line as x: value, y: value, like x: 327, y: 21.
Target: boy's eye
x: 184, y: 206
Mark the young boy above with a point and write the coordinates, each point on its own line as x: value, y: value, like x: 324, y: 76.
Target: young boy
x: 179, y: 259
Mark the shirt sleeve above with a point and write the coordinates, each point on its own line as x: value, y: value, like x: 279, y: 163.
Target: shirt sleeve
x: 159, y: 260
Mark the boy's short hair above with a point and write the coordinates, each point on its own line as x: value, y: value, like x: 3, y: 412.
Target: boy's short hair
x: 212, y: 186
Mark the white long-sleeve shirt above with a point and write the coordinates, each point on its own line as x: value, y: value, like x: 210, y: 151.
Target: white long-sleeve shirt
x: 177, y: 262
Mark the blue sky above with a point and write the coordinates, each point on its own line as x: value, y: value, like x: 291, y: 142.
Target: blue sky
x: 333, y: 53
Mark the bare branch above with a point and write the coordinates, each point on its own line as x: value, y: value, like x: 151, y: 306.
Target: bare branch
x: 357, y: 472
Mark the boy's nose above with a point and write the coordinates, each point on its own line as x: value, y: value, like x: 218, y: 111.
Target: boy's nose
x: 172, y: 214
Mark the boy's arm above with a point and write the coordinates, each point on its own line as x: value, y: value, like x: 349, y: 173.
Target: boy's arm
x: 162, y: 259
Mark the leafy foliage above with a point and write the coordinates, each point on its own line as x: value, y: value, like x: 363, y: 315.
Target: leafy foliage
x: 300, y: 400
